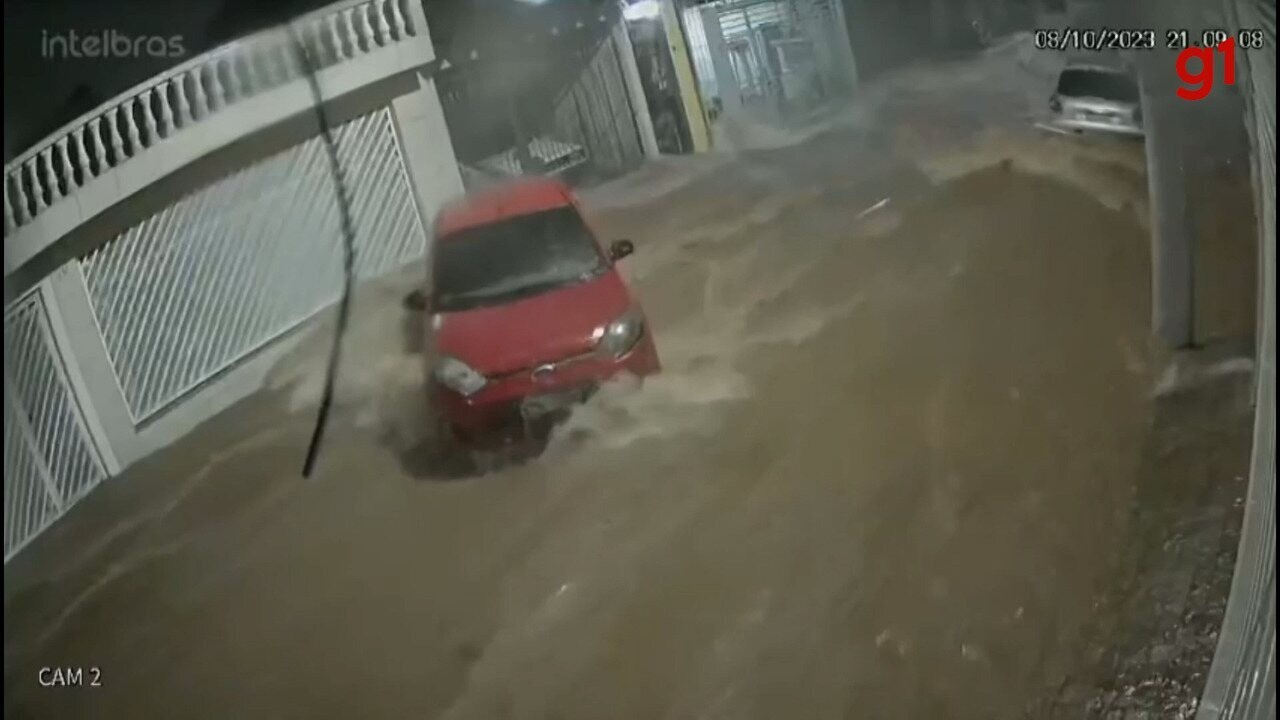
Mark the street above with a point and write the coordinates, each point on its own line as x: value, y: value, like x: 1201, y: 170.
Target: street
x: 886, y: 472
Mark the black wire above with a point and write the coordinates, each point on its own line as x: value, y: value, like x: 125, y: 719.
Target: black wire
x: 348, y: 255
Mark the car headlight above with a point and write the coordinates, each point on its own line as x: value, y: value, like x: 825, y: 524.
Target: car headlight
x: 620, y: 336
x: 458, y: 376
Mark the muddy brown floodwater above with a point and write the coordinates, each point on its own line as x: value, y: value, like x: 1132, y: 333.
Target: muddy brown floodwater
x: 884, y: 475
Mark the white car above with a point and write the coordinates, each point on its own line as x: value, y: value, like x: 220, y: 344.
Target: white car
x: 1098, y: 99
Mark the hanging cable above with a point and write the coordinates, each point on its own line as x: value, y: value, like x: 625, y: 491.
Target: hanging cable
x: 347, y: 228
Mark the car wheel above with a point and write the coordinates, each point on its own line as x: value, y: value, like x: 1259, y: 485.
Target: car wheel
x: 452, y: 458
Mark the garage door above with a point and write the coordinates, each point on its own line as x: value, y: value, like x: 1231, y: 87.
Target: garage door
x: 201, y: 285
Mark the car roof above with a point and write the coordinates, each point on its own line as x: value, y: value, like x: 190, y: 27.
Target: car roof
x: 511, y: 199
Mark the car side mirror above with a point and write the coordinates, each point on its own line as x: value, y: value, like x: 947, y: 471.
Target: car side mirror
x: 620, y: 249
x: 417, y: 301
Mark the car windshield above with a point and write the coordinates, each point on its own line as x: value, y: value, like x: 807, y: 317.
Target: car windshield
x: 514, y: 258
x: 1099, y: 84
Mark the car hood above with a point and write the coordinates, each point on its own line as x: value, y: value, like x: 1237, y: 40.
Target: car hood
x: 543, y: 328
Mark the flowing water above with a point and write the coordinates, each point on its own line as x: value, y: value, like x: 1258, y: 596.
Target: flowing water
x: 884, y: 474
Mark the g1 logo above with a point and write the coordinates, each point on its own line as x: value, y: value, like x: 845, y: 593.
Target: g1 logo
x: 1198, y: 84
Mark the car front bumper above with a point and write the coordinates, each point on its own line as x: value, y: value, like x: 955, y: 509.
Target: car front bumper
x: 1101, y: 126
x: 493, y: 416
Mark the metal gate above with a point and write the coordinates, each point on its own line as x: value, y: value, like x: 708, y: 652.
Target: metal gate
x: 596, y: 112
x: 50, y: 461
x: 205, y: 282
x: 743, y: 26
x: 773, y: 46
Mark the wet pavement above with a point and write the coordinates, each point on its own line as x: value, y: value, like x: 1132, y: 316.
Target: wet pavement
x: 888, y: 470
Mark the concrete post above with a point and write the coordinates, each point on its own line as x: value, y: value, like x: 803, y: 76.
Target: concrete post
x: 427, y: 148
x: 1172, y: 242
x: 695, y: 114
x: 425, y: 144
x: 817, y: 28
x: 89, y: 370
x: 844, y: 45
x: 726, y: 80
x: 635, y: 90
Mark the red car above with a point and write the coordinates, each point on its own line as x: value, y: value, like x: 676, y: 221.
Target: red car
x: 528, y: 313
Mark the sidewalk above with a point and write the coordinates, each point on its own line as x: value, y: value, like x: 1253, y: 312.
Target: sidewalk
x: 1154, y: 649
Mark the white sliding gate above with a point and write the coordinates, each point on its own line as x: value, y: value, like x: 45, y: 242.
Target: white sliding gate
x: 202, y: 284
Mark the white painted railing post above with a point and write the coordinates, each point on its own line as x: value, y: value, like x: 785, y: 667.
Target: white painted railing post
x: 180, y: 92
x: 282, y: 58
x: 384, y: 28
x: 131, y: 126
x: 10, y: 222
x: 167, y: 126
x: 99, y: 149
x: 82, y: 156
x: 113, y: 127
x: 33, y: 170
x: 24, y: 213
x: 64, y: 163
x: 397, y: 19
x: 50, y: 176
x: 335, y: 37
x: 216, y: 96
x: 366, y: 29
x: 349, y: 28
x: 148, y: 117
x: 249, y: 80
x: 261, y: 59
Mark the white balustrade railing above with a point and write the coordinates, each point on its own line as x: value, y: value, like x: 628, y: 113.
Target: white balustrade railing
x: 192, y: 92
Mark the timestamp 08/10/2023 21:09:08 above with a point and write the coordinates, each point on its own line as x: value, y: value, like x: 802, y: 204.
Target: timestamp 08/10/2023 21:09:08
x: 1099, y: 39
